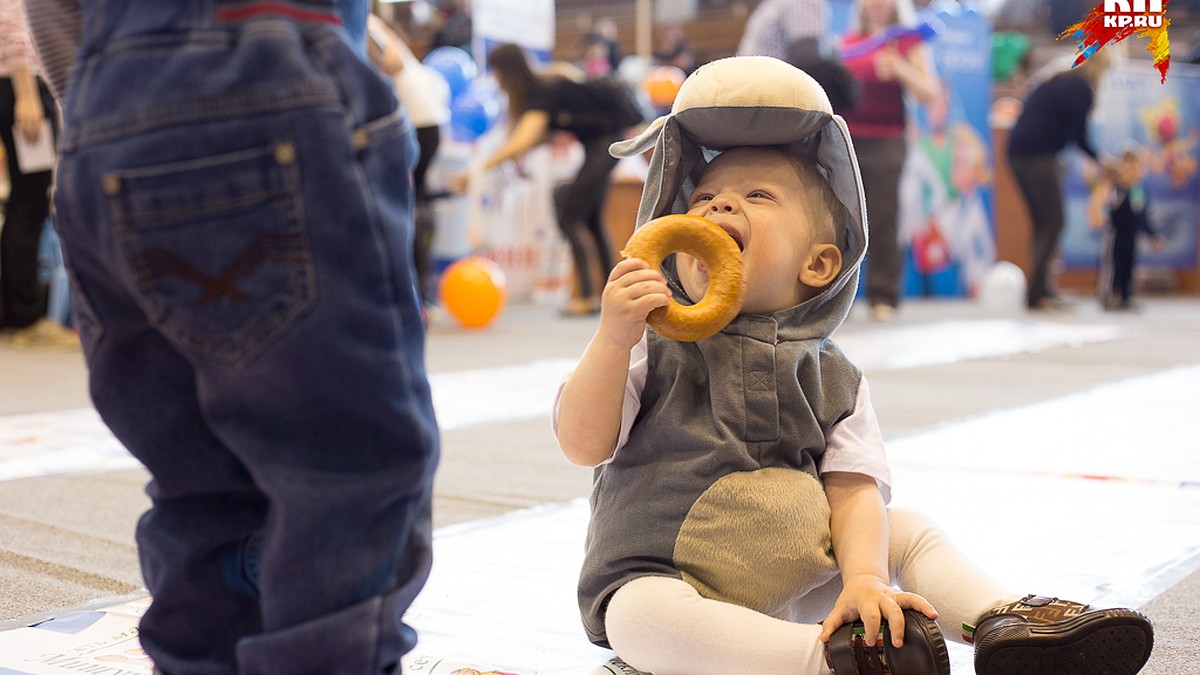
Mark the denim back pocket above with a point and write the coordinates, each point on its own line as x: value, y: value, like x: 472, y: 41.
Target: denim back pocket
x: 218, y: 248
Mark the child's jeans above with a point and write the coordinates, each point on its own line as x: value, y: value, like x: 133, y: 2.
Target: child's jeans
x: 235, y: 208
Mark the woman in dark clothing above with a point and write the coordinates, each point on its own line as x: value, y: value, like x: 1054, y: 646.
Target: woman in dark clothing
x: 539, y: 104
x: 1055, y: 114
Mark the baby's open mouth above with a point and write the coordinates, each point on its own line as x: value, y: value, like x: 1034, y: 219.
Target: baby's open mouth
x: 737, y: 236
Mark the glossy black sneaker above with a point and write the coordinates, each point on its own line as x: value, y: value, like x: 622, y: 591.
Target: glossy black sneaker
x: 923, y: 653
x: 1047, y: 636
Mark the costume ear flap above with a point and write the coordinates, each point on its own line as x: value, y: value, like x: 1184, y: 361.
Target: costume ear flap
x: 671, y: 161
x: 660, y: 177
x: 640, y: 143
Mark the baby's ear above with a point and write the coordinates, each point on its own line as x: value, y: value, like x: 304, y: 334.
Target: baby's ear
x: 824, y: 264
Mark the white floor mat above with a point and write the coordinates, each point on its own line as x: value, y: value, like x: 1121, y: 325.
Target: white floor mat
x: 77, y: 441
x: 1103, y: 513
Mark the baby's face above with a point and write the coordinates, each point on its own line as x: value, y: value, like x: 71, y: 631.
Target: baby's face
x: 757, y: 196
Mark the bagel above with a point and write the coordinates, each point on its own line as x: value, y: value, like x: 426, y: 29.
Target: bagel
x: 704, y: 239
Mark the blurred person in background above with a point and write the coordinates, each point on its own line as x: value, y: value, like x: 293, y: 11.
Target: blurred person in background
x: 540, y: 103
x: 776, y: 25
x: 26, y: 109
x: 426, y: 98
x: 673, y: 49
x: 1054, y: 115
x: 885, y: 75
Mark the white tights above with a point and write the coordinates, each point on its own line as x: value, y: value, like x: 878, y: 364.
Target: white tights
x: 663, y: 626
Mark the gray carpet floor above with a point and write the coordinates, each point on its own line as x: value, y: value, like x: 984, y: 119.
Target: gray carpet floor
x: 66, y: 540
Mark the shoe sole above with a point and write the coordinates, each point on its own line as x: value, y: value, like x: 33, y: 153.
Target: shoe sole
x: 931, y: 633
x: 845, y: 656
x: 1109, y: 642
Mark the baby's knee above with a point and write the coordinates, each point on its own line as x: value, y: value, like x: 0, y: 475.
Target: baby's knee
x: 910, y: 531
x: 641, y: 616
x: 646, y: 602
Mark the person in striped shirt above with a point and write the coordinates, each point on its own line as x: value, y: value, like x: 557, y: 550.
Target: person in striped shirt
x: 26, y: 114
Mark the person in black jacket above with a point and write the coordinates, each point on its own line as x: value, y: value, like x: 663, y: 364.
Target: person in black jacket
x: 1055, y: 113
x: 539, y: 104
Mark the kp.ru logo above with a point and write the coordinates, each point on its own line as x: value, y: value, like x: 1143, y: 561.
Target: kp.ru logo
x: 1115, y: 20
x: 1135, y: 13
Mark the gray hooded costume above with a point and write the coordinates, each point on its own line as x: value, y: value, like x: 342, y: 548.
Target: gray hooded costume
x: 718, y: 482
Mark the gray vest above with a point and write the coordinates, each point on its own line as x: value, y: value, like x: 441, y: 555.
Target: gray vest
x: 717, y: 484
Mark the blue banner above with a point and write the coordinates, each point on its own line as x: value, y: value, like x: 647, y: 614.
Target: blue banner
x: 946, y: 188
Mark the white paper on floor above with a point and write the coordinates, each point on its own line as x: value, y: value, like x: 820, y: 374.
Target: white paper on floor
x: 72, y: 441
x: 928, y: 344
x: 469, y: 398
x: 1090, y: 496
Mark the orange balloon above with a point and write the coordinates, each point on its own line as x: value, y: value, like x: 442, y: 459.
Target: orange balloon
x: 662, y: 84
x: 473, y: 291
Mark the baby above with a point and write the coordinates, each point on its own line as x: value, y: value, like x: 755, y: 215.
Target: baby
x: 1120, y: 201
x: 739, y: 519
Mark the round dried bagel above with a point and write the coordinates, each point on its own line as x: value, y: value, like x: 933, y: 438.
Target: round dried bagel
x: 707, y: 241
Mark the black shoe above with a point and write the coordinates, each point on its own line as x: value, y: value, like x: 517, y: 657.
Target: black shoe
x: 579, y: 307
x: 1049, y: 303
x: 1048, y: 636
x: 923, y: 653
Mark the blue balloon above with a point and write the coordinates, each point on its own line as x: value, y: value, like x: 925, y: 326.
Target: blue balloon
x: 454, y: 64
x: 473, y: 112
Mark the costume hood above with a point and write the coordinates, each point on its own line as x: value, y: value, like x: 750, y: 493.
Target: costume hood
x: 757, y: 100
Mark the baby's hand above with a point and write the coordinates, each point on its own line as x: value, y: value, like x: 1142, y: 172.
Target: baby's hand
x: 871, y: 599
x: 633, y: 291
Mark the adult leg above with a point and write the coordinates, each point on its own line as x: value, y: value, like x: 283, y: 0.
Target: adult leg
x: 1040, y: 183
x: 598, y: 231
x: 881, y: 161
x: 664, y: 626
x: 428, y: 141
x: 584, y: 196
x: 424, y: 222
x: 574, y: 238
x: 598, y: 167
x: 25, y: 215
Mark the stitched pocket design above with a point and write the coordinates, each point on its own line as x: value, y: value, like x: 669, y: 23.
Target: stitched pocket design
x: 218, y: 248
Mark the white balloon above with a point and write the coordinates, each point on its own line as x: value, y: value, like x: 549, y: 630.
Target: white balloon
x: 1003, y: 289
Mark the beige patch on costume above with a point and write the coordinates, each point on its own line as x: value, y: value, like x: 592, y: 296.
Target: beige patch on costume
x: 759, y: 539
